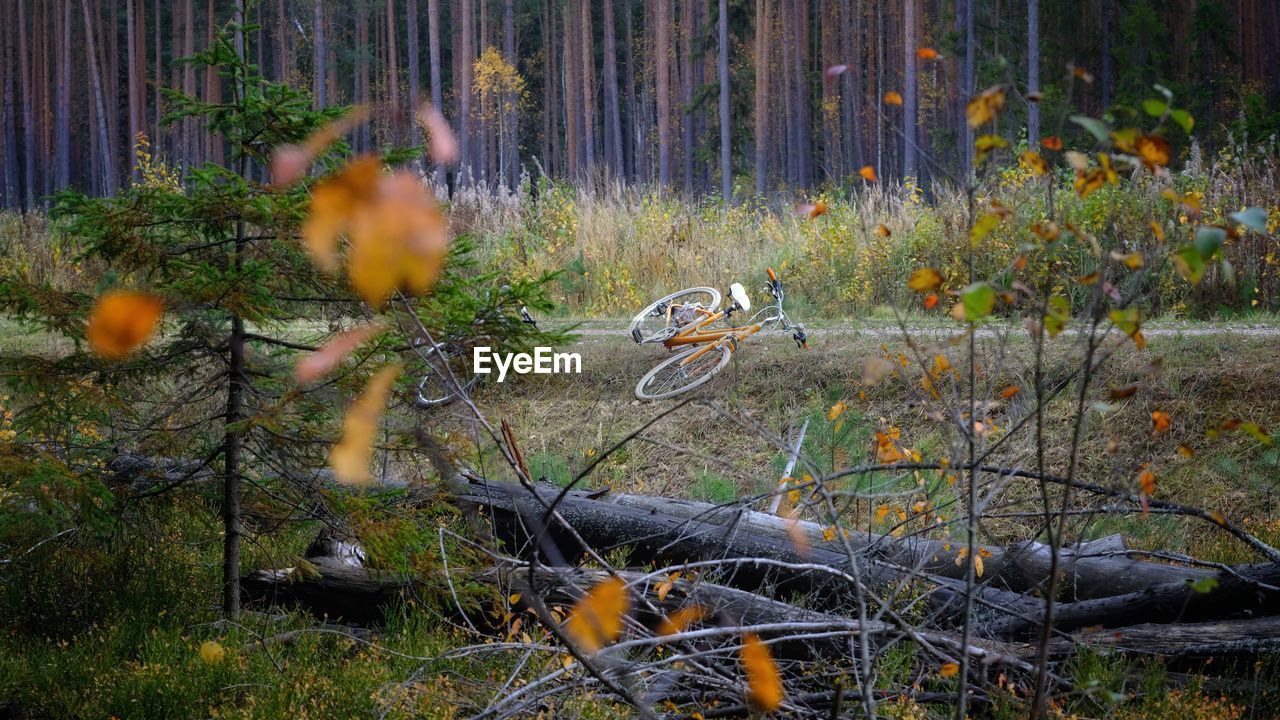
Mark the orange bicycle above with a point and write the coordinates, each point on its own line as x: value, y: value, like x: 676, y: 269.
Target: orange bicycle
x: 682, y: 322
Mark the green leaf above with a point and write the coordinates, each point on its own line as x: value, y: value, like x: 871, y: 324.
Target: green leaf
x: 1129, y: 320
x: 1057, y: 312
x: 1209, y: 240
x: 1183, y: 119
x: 1096, y: 127
x: 1205, y: 585
x: 1155, y: 108
x: 978, y: 300
x: 1189, y: 263
x: 1257, y: 432
x: 1254, y: 218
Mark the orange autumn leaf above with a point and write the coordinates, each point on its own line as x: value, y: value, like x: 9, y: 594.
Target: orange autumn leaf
x: 799, y: 538
x: 350, y: 458
x: 883, y: 230
x: 812, y: 210
x: 764, y: 682
x: 949, y: 670
x: 926, y: 53
x: 316, y: 365
x: 930, y: 301
x: 1010, y: 391
x: 397, y: 241
x: 1147, y: 481
x: 893, y: 97
x: 1051, y: 142
x: 1160, y: 420
x: 1157, y: 230
x: 680, y: 620
x: 868, y: 173
x: 121, y: 321
x: 333, y: 202
x: 924, y: 279
x: 596, y: 619
x: 1186, y: 451
x: 1153, y: 150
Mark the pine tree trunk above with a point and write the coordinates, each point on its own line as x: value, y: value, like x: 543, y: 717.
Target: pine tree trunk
x: 12, y: 192
x: 466, y: 59
x: 238, y: 381
x: 586, y: 56
x: 437, y: 92
x: 572, y: 92
x: 363, y: 135
x: 212, y: 86
x: 28, y: 109
x: 722, y: 68
x: 910, y: 168
x: 62, y: 99
x: 1108, y: 76
x: 135, y: 91
x: 393, y: 73
x: 100, y: 101
x: 662, y: 56
x: 189, y: 154
x: 967, y: 91
x: 613, y: 117
x: 631, y: 132
x: 319, y: 74
x: 511, y: 154
x: 686, y: 93
x: 762, y: 95
x: 1033, y: 72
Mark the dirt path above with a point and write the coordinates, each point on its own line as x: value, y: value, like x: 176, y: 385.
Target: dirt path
x: 891, y: 332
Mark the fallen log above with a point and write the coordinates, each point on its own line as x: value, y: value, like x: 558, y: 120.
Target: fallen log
x: 1089, y: 569
x: 1246, y: 592
x: 757, y: 562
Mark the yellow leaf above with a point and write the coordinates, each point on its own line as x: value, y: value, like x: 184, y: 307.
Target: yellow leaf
x: 883, y: 230
x: 892, y: 98
x: 349, y: 459
x: 764, y: 682
x: 1153, y: 150
x: 681, y: 619
x: 881, y: 513
x: 977, y: 565
x: 1032, y: 161
x: 1157, y: 230
x: 836, y: 411
x: 868, y: 173
x: 984, y: 108
x: 983, y: 227
x: 212, y: 652
x: 121, y: 321
x: 1186, y: 451
x: 828, y: 533
x: 596, y: 619
x: 949, y: 670
x: 923, y: 280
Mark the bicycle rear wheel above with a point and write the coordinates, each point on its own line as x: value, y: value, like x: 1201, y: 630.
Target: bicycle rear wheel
x: 673, y: 377
x: 650, y: 324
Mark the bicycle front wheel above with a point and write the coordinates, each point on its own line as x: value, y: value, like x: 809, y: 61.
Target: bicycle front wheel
x: 651, y: 324
x: 674, y: 376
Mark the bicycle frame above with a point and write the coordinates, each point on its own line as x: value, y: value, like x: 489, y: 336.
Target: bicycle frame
x: 697, y: 332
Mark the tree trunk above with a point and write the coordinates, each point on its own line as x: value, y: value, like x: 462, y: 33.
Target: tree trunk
x: 319, y: 56
x: 134, y: 89
x: 393, y: 74
x: 212, y: 86
x: 62, y: 99
x: 967, y: 91
x: 910, y: 167
x: 100, y: 101
x: 662, y: 57
x: 572, y: 91
x: 510, y: 105
x: 28, y: 108
x: 363, y: 134
x: 12, y: 192
x: 437, y: 91
x: 722, y: 71
x: 612, y: 113
x: 189, y: 153
x: 586, y: 56
x: 1108, y: 75
x: 1033, y: 73
x: 632, y: 125
x: 762, y: 111
x: 466, y: 62
x: 687, y: 137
